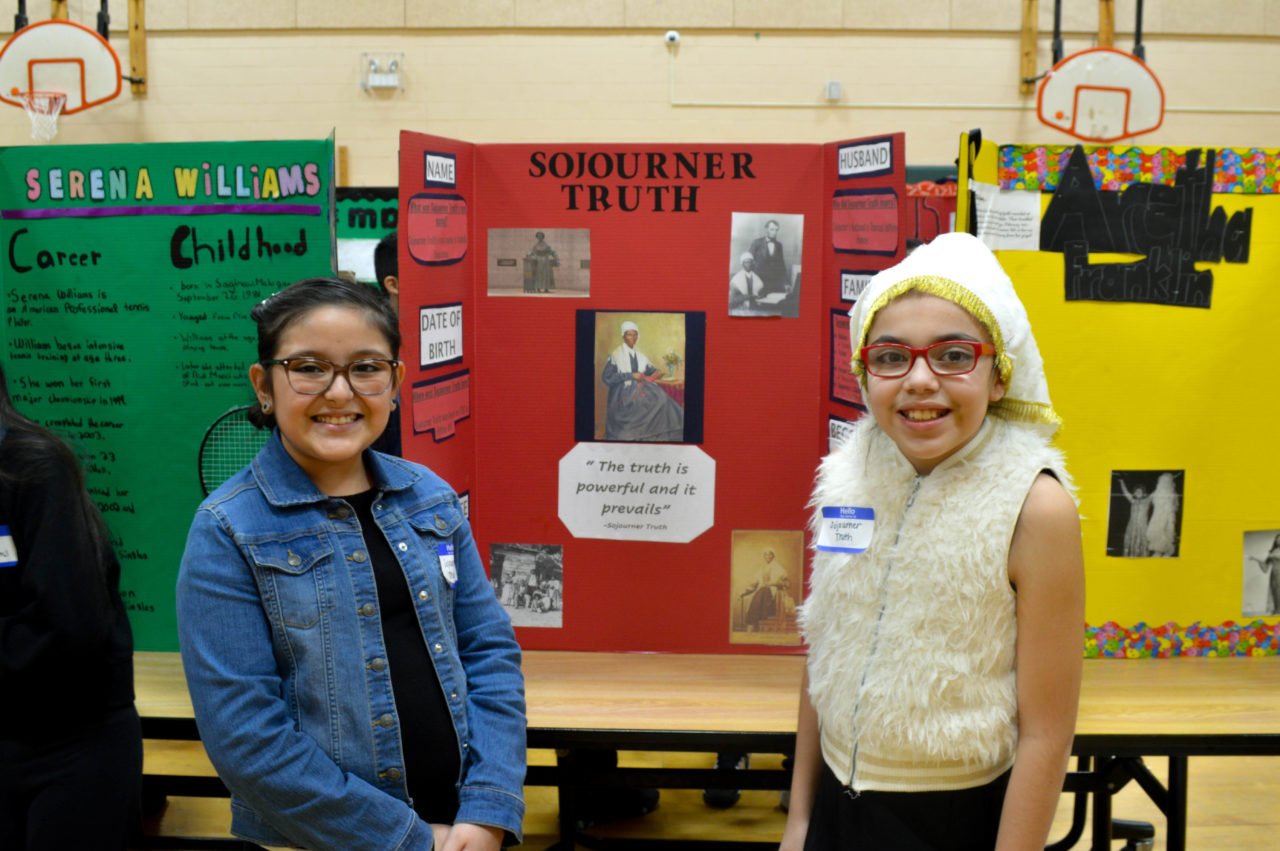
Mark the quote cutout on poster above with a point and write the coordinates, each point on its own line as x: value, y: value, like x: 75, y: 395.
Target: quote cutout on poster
x: 637, y: 491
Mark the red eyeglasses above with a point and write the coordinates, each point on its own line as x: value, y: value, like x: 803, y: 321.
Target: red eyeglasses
x: 945, y: 358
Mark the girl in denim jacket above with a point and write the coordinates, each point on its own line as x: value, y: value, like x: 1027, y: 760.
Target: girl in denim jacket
x: 355, y: 681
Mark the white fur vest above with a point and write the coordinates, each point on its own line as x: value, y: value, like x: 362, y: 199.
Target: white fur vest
x: 911, y: 643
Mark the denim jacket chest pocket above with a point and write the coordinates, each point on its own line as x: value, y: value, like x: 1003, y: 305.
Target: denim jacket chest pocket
x: 432, y: 528
x: 295, y: 577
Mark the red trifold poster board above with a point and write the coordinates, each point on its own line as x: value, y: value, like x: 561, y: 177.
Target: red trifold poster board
x: 628, y: 360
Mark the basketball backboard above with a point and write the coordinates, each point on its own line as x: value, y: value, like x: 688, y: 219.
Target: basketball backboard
x: 1101, y: 95
x: 59, y: 56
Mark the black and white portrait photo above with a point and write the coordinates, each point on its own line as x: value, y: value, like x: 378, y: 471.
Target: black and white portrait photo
x: 1261, y: 574
x: 764, y: 264
x: 1145, y: 518
x: 529, y: 581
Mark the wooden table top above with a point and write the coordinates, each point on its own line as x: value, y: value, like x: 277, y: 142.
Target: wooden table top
x: 738, y: 693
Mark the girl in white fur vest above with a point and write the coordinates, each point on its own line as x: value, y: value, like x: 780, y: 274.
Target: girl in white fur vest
x: 947, y: 599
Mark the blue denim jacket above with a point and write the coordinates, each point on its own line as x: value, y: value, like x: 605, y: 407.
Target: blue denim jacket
x: 282, y: 642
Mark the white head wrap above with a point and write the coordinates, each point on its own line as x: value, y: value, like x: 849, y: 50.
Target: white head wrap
x: 621, y: 356
x: 961, y: 269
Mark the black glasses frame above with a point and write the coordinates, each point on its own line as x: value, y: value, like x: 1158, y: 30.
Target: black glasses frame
x: 338, y: 369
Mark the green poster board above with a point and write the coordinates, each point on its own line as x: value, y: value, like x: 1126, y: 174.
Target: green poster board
x: 128, y: 276
x: 365, y: 214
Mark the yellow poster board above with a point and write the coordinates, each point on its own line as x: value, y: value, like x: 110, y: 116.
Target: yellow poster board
x: 1159, y: 387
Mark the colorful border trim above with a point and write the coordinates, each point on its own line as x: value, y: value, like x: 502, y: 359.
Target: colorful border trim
x: 1140, y: 641
x: 1245, y: 171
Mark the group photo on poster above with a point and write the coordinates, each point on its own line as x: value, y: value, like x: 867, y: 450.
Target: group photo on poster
x: 645, y: 376
x: 529, y: 582
x: 539, y: 262
x: 764, y: 264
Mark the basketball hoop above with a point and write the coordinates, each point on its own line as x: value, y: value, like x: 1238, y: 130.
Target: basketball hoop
x: 1101, y: 95
x: 43, y: 108
x: 56, y: 67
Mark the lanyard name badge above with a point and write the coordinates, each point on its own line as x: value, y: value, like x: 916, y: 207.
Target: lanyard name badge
x: 846, y: 529
x: 450, y: 571
x: 8, y: 550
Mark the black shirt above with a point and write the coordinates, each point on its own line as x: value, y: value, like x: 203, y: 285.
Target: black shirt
x: 66, y: 649
x: 431, y: 762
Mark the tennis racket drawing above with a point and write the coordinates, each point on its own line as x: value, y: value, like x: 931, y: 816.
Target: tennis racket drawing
x: 229, y: 445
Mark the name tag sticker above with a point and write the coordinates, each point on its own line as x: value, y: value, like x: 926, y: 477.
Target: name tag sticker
x: 846, y: 529
x: 447, y: 567
x: 8, y: 551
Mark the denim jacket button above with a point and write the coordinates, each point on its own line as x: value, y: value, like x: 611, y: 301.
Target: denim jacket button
x: 358, y: 556
x: 392, y: 774
x: 378, y: 664
x: 366, y: 609
x: 385, y: 721
x: 438, y: 647
x: 424, y: 595
x: 440, y: 524
x: 294, y: 559
x: 402, y: 546
x: 340, y: 513
x: 453, y: 695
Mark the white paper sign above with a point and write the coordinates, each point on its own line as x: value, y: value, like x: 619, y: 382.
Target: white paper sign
x: 1007, y: 219
x: 637, y: 491
x: 439, y: 169
x: 866, y: 158
x: 852, y: 284
x: 837, y: 431
x: 846, y: 529
x: 440, y: 334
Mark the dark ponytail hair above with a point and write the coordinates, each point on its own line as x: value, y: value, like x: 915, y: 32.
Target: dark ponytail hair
x: 276, y: 313
x: 32, y: 452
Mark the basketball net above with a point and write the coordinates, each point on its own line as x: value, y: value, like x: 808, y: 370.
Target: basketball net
x: 43, y: 108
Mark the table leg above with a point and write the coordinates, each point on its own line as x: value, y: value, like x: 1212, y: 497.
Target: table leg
x: 1102, y: 806
x: 565, y: 794
x: 1177, y: 815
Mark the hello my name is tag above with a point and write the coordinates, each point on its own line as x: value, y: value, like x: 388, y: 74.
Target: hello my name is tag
x: 447, y: 567
x: 846, y: 529
x: 8, y: 550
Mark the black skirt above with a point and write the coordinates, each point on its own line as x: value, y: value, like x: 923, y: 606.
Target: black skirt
x: 959, y: 820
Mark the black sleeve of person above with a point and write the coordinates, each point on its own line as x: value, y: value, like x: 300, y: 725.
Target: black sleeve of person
x: 55, y: 602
